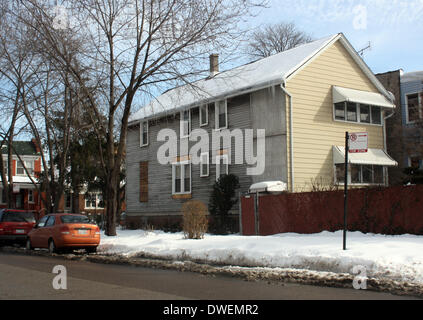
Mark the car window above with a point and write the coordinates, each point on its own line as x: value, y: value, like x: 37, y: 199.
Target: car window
x: 50, y: 222
x: 42, y: 221
x: 75, y: 219
x: 13, y: 217
x: 18, y: 217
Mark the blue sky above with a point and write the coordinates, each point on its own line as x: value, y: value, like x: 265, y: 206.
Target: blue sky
x: 394, y: 28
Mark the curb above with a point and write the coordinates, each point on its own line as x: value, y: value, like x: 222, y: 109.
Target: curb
x: 281, y: 276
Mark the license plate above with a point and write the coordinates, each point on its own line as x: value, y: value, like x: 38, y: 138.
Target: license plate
x: 20, y: 231
x: 82, y: 231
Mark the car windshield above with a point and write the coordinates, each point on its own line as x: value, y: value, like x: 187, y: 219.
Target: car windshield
x: 18, y: 217
x: 75, y: 219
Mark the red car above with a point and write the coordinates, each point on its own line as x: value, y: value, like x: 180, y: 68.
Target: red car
x: 15, y: 225
x: 59, y: 232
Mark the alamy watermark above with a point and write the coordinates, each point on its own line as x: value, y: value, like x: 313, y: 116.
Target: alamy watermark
x: 60, y: 281
x: 249, y: 144
x: 360, y: 280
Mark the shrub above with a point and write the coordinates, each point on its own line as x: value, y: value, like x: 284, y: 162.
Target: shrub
x: 195, y: 222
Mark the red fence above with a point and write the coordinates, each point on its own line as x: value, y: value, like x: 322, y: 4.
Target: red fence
x: 394, y: 210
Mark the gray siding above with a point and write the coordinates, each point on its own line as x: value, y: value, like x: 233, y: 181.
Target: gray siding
x: 244, y: 112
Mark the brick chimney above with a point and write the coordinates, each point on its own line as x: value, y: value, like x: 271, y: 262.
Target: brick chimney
x: 37, y: 147
x: 214, y: 64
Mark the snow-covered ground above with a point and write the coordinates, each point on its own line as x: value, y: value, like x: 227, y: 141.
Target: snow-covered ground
x: 394, y: 257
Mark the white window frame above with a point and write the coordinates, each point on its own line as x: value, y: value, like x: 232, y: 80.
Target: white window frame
x: 218, y: 158
x: 206, y: 106
x: 358, y: 112
x: 142, y: 142
x: 216, y: 113
x: 181, y: 124
x: 97, y: 201
x: 182, y: 164
x: 420, y: 102
x: 202, y: 155
x: 30, y: 168
x: 31, y: 199
x: 6, y: 167
x: 361, y: 177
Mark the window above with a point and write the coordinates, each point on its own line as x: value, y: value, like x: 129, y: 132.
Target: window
x: 42, y: 221
x: 204, y: 165
x: 181, y: 178
x: 359, y: 113
x: 144, y: 133
x: 376, y: 115
x: 340, y: 111
x: 68, y: 200
x: 75, y: 219
x: 364, y: 113
x: 185, y: 128
x: 20, y: 170
x: 204, y: 115
x: 221, y: 113
x: 352, y: 112
x: 360, y: 174
x: 6, y: 171
x: 51, y: 221
x: 413, y: 107
x: 90, y: 201
x: 31, y: 196
x: 414, y: 162
x: 222, y: 166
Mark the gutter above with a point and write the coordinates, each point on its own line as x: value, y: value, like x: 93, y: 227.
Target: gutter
x: 291, y: 138
x: 385, y: 145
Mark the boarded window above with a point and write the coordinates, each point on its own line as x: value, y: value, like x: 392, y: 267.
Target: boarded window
x: 144, y: 181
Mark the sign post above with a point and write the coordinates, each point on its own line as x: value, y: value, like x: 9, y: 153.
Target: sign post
x: 347, y: 137
x: 354, y: 143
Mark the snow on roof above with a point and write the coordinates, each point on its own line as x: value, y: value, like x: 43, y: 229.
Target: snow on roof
x: 262, y: 73
x: 412, y: 76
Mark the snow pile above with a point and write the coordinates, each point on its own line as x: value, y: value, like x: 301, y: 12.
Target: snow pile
x: 394, y: 257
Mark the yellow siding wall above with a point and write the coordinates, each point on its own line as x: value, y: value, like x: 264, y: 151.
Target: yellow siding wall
x: 314, y: 130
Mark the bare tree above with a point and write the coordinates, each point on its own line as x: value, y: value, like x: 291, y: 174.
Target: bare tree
x: 126, y: 49
x: 272, y: 39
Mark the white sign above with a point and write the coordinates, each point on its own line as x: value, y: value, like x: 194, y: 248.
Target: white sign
x: 358, y: 142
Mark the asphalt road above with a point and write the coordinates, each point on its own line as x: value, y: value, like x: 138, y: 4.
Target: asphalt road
x: 32, y: 277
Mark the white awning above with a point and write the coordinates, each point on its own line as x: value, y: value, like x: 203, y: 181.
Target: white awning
x: 372, y: 156
x: 268, y: 186
x: 363, y: 97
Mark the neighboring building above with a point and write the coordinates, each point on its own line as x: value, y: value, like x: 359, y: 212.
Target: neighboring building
x: 404, y: 128
x: 305, y: 98
x: 412, y: 116
x: 25, y: 195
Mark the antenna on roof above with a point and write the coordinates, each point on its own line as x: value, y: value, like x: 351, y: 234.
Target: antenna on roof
x: 368, y: 47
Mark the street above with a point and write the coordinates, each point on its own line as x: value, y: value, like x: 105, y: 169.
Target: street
x: 32, y: 277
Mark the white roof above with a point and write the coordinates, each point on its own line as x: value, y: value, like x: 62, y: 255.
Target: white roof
x: 376, y: 99
x: 372, y: 156
x: 269, y: 186
x: 24, y: 180
x: 262, y: 73
x: 412, y: 76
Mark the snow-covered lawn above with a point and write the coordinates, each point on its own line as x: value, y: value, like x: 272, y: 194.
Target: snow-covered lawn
x: 394, y: 257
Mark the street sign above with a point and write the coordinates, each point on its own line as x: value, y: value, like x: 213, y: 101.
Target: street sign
x: 358, y: 142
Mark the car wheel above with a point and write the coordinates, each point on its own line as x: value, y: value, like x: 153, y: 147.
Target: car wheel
x: 52, y: 247
x: 28, y: 245
x: 91, y: 249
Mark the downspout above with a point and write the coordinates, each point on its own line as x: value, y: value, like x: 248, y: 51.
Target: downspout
x: 291, y: 138
x: 385, y: 145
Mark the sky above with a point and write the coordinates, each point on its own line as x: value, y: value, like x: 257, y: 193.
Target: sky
x: 393, y: 28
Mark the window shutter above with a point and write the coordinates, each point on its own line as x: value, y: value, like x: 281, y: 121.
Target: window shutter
x: 144, y: 181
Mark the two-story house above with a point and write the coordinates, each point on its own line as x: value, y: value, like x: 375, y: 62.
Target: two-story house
x: 25, y: 195
x: 299, y: 103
